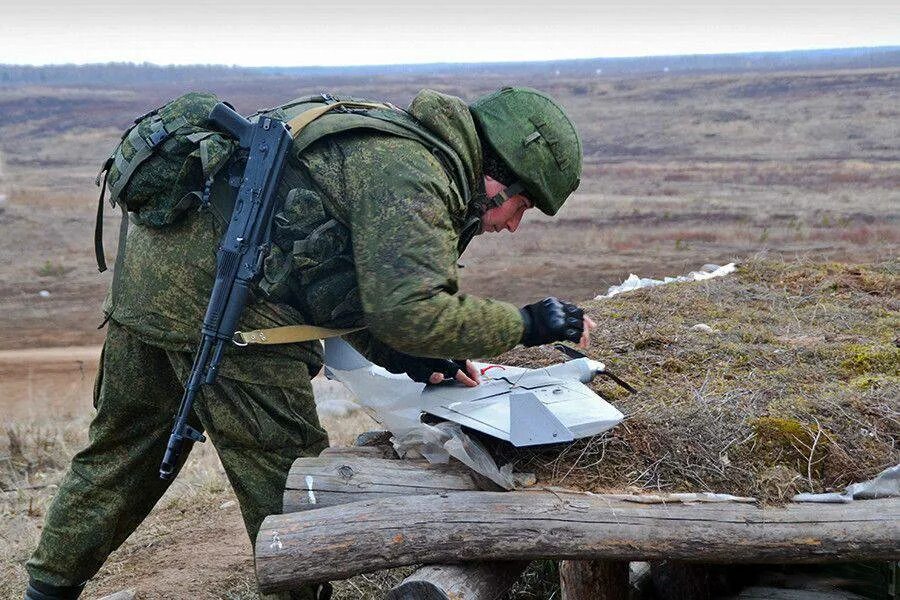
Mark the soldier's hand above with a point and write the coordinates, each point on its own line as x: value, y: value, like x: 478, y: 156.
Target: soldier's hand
x: 436, y: 370
x: 552, y: 320
x: 586, y: 334
x: 467, y: 374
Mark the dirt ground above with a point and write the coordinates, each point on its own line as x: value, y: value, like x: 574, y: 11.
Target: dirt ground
x: 679, y: 171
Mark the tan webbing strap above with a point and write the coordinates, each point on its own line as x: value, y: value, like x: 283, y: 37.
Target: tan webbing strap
x: 288, y: 334
x: 298, y: 123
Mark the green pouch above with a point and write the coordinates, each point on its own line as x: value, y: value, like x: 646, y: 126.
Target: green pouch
x: 167, y: 159
x: 310, y: 265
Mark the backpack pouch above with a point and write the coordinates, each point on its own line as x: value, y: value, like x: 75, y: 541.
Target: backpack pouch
x: 166, y: 161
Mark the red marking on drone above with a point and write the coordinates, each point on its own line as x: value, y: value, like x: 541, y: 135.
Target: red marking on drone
x: 489, y: 367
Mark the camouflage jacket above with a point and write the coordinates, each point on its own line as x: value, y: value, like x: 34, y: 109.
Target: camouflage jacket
x: 368, y: 235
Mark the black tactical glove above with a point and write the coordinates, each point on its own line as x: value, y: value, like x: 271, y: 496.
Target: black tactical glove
x: 551, y: 320
x: 420, y: 368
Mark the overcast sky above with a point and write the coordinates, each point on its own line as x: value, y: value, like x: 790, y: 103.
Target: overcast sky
x: 404, y: 31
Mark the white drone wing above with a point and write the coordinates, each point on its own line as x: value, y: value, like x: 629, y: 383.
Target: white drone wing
x: 525, y: 407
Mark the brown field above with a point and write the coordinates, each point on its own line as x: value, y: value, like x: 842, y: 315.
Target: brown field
x: 679, y: 171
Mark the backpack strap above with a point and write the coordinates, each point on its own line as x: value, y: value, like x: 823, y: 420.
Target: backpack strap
x: 299, y: 123
x: 381, y: 117
x: 120, y: 260
x: 98, y: 223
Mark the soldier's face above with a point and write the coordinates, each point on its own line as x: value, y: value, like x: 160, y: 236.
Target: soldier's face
x: 508, y: 215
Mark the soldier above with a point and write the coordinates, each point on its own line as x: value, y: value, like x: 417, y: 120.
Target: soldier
x: 373, y: 221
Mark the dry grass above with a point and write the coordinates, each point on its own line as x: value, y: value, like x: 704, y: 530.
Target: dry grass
x: 35, y: 451
x: 795, y: 390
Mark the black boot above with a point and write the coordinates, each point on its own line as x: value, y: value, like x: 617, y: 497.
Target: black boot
x: 38, y: 590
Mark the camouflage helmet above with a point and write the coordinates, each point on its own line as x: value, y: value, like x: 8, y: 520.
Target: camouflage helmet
x: 536, y: 139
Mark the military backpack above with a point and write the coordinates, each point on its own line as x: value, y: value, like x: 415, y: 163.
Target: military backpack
x: 172, y: 160
x: 163, y: 165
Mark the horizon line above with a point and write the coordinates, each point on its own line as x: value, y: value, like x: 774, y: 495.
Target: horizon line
x: 883, y: 48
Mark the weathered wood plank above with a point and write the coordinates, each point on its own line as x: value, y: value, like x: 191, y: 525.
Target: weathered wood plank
x: 593, y: 579
x: 342, y: 541
x: 335, y: 479
x: 468, y: 581
x: 340, y: 477
x: 359, y: 451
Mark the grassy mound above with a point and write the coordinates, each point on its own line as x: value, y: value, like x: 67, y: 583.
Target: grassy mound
x: 782, y: 378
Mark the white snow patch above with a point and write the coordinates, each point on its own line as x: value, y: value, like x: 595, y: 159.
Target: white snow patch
x: 635, y: 283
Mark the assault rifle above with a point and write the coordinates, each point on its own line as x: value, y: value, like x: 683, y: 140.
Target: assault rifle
x: 239, y: 259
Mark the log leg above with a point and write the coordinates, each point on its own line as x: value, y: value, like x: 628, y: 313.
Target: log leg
x: 469, y: 581
x: 593, y: 579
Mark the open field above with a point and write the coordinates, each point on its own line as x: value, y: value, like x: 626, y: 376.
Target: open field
x: 679, y: 171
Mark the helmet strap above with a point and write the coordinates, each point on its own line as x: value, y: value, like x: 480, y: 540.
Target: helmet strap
x: 505, y: 194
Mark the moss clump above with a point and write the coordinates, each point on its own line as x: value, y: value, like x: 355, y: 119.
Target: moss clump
x: 779, y: 440
x: 863, y: 359
x: 870, y: 382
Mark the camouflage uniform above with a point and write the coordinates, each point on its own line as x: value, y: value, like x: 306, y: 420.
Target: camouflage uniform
x: 368, y: 235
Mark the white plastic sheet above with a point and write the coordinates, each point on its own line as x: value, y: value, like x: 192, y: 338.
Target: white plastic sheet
x: 634, y: 282
x: 393, y: 401
x: 884, y: 485
x: 437, y: 443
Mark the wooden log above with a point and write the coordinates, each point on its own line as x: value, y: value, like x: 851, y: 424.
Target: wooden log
x: 593, y: 579
x: 334, y: 479
x: 357, y: 451
x: 341, y: 475
x: 468, y: 581
x: 342, y: 541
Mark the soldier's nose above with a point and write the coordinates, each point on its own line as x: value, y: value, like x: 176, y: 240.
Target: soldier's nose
x: 513, y: 224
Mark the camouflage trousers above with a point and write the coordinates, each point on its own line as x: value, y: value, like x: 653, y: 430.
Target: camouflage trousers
x: 257, y: 430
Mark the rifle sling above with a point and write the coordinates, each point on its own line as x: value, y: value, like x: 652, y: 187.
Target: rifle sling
x: 289, y: 334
